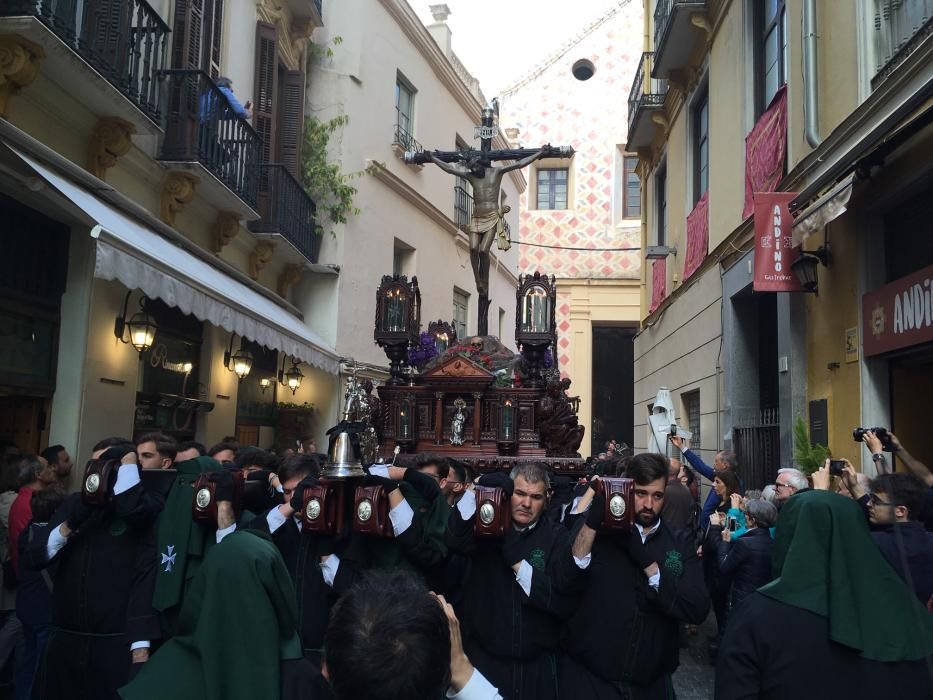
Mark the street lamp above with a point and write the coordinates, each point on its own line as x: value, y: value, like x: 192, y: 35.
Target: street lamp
x: 239, y: 362
x: 264, y: 383
x: 807, y: 265
x: 141, y: 328
x: 291, y: 377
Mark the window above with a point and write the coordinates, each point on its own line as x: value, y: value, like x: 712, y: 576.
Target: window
x: 631, y: 189
x: 402, y: 258
x: 404, y: 111
x: 552, y: 188
x: 463, y: 195
x: 461, y: 304
x: 660, y: 193
x: 772, y: 51
x: 691, y: 401
x: 700, y: 146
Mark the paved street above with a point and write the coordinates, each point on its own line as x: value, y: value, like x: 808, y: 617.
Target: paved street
x: 694, y: 678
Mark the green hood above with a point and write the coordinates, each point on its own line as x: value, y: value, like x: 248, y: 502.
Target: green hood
x: 828, y: 564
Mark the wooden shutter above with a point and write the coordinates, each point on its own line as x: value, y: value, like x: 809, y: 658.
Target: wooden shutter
x: 266, y: 87
x: 187, y: 28
x: 213, y: 36
x: 290, y: 128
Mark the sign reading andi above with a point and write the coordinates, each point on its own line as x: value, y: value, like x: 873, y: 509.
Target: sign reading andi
x: 898, y: 315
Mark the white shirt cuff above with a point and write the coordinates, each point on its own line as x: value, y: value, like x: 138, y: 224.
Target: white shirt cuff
x: 226, y: 531
x: 477, y: 688
x: 401, y: 516
x: 56, y: 541
x: 139, y: 645
x: 654, y: 581
x: 585, y: 561
x: 275, y: 520
x: 329, y: 569
x: 523, y: 576
x: 379, y: 470
x: 280, y: 488
x: 576, y: 504
x: 127, y: 478
x: 467, y: 504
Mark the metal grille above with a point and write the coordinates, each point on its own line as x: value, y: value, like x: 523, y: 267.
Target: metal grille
x: 287, y: 209
x: 900, y: 26
x: 691, y: 402
x: 646, y: 91
x: 756, y: 439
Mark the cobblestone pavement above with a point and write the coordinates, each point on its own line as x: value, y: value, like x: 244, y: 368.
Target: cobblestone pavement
x: 694, y: 677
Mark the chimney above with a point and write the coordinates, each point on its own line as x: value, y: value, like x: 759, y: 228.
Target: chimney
x: 439, y: 31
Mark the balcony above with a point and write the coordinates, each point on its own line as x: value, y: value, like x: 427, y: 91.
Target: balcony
x: 286, y: 211
x: 674, y: 37
x: 106, y: 53
x: 205, y: 135
x: 402, y: 139
x: 463, y: 211
x: 900, y: 27
x: 646, y: 97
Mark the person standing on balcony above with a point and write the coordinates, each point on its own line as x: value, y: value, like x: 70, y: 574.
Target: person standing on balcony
x: 244, y: 111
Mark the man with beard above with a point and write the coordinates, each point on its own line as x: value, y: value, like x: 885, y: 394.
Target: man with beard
x: 623, y: 638
x: 520, y: 588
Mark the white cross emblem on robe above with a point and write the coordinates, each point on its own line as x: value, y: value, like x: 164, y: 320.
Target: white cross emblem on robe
x: 168, y: 558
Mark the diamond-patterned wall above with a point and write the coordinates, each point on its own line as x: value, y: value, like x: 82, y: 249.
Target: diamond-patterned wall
x: 552, y: 106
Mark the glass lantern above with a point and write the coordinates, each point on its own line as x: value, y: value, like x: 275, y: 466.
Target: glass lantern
x: 536, y: 311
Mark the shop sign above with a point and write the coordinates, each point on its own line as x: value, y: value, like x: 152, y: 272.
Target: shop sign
x: 899, y: 315
x: 774, y: 251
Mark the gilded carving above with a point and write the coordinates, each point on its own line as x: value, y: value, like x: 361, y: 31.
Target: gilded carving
x: 177, y: 191
x: 260, y: 257
x: 19, y: 66
x: 112, y: 138
x: 293, y: 34
x: 290, y: 275
x: 225, y: 229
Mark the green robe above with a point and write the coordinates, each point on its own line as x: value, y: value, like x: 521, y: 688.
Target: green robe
x: 182, y: 543
x: 239, y: 620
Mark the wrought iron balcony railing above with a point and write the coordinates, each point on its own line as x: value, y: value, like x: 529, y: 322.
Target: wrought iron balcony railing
x: 404, y: 139
x: 646, y: 91
x: 202, y: 125
x: 287, y: 209
x: 123, y: 40
x: 900, y: 26
x: 463, y: 207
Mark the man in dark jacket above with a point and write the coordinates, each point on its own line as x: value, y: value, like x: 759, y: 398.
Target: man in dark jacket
x: 102, y: 615
x: 623, y: 639
x: 520, y: 588
x: 896, y: 505
x: 745, y: 562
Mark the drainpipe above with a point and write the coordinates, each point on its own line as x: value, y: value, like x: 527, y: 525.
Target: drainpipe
x: 811, y: 113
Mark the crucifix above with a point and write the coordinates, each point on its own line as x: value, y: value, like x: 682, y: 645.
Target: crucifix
x: 488, y: 220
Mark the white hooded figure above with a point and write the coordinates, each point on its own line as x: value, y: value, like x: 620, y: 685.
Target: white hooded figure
x: 660, y: 421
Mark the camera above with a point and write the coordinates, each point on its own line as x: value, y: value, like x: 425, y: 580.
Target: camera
x: 837, y: 467
x: 673, y: 430
x: 733, y: 525
x: 881, y: 433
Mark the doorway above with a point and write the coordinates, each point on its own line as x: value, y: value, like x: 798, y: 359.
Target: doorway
x: 613, y: 387
x: 22, y: 421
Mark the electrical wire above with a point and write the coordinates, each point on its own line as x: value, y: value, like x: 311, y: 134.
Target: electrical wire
x: 592, y: 250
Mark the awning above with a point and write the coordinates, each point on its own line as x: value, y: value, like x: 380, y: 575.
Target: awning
x: 140, y: 258
x: 827, y: 207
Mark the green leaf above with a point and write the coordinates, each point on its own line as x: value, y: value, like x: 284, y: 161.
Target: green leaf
x: 807, y: 456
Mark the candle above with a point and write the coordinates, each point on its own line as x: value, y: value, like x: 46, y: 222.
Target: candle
x: 507, y: 420
x: 403, y: 424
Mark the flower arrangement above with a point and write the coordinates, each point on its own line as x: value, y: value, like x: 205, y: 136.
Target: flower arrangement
x: 421, y: 354
x: 474, y: 353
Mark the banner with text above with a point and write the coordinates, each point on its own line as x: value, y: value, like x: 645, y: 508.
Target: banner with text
x: 774, y: 251
x: 898, y: 315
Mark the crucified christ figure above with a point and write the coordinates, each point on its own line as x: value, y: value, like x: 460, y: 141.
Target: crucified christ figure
x: 487, y: 223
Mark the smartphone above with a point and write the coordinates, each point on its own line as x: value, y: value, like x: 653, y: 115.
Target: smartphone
x: 836, y: 467
x: 733, y: 524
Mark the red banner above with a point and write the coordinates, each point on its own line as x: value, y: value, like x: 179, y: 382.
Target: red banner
x: 697, y: 236
x: 765, y: 151
x: 774, y: 251
x: 658, y: 283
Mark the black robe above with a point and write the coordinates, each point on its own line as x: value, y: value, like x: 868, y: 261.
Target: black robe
x: 102, y: 598
x: 774, y: 651
x: 513, y: 638
x: 625, y: 634
x: 302, y: 555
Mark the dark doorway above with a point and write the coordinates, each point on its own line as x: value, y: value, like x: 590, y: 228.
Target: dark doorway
x: 613, y: 387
